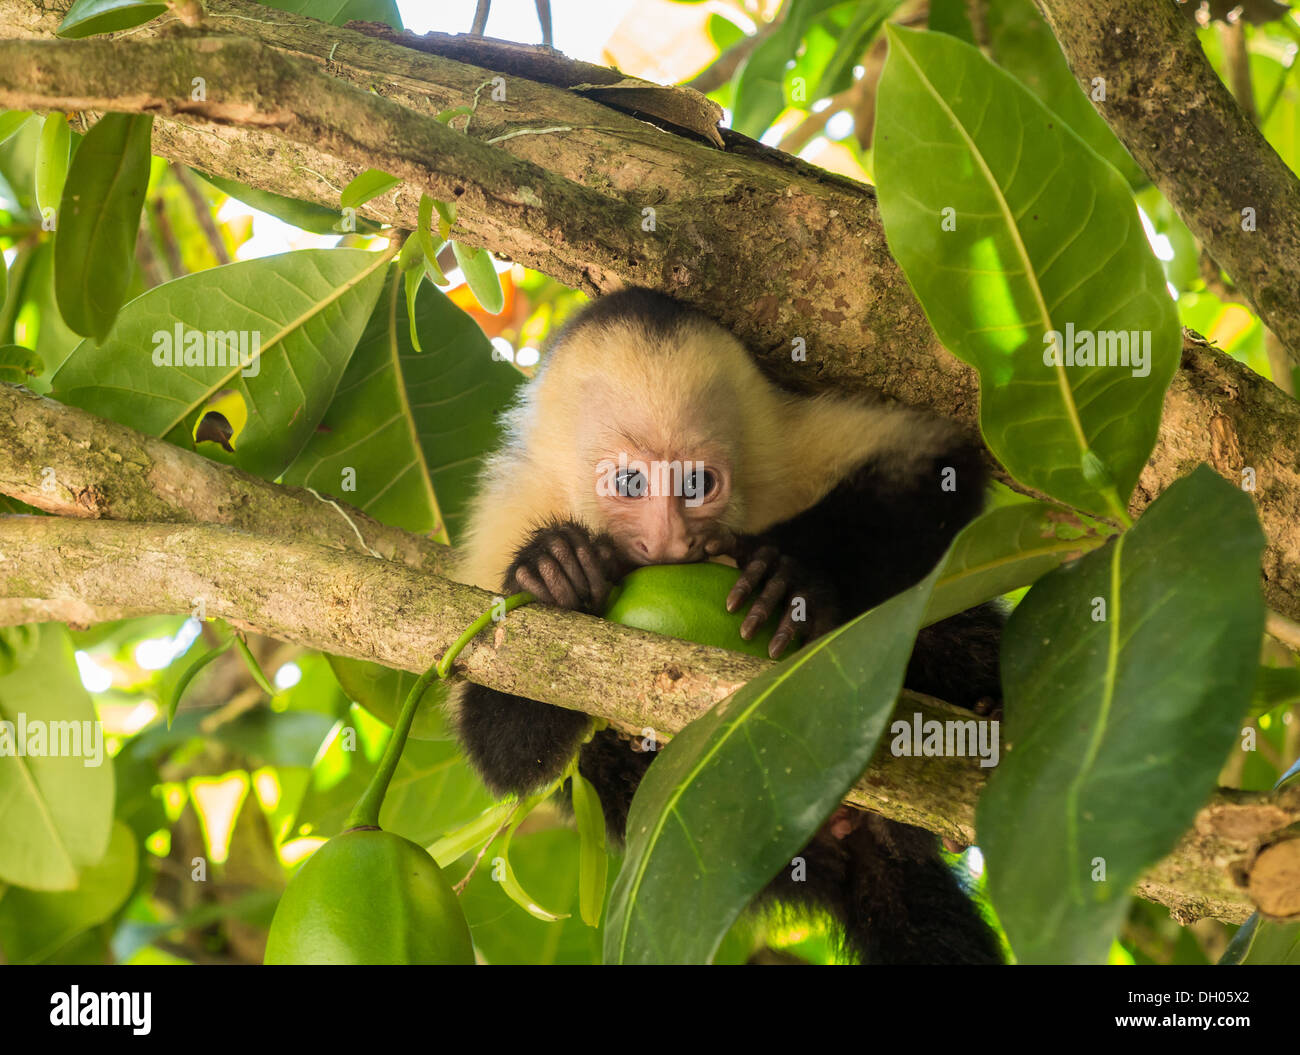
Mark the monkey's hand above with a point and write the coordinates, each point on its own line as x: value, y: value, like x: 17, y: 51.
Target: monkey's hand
x: 780, y: 584
x: 564, y: 565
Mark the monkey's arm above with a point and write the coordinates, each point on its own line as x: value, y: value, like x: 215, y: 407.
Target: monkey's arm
x: 876, y: 533
x: 519, y: 745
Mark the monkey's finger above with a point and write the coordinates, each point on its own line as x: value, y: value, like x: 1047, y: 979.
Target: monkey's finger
x: 526, y: 579
x: 785, y: 632
x: 597, y: 583
x: 754, y: 573
x: 768, y: 601
x: 557, y: 583
x: 562, y: 550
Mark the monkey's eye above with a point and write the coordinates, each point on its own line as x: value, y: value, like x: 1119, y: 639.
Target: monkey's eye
x: 631, y: 483
x: 700, y: 483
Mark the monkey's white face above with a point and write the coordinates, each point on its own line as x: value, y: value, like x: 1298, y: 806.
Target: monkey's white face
x: 663, y: 510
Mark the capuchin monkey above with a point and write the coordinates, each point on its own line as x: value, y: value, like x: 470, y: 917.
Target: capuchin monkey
x: 828, y: 505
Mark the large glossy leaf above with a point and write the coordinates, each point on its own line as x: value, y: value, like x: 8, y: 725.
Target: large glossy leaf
x: 406, y: 435
x: 1005, y: 549
x: 296, y: 318
x: 1120, y: 718
x: 35, y: 923
x: 1262, y: 941
x: 737, y: 793
x: 1020, y: 41
x: 57, y: 810
x: 99, y: 216
x: 1040, y: 236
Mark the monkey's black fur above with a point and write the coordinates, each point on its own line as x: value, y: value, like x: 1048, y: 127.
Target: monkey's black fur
x: 876, y: 533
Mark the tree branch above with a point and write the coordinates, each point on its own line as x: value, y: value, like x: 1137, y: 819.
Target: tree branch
x: 768, y: 245
x: 376, y: 610
x: 1203, y: 151
x: 72, y: 463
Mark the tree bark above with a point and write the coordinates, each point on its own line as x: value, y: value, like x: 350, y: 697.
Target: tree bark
x: 370, y: 609
x: 768, y: 245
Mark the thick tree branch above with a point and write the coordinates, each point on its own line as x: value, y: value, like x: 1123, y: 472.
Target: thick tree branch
x: 376, y: 610
x: 1203, y: 151
x: 768, y: 245
x: 72, y: 463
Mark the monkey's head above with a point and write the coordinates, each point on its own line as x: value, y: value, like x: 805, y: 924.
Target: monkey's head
x: 657, y: 428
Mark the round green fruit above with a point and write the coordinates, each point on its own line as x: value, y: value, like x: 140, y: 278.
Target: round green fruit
x: 688, y: 601
x: 369, y: 897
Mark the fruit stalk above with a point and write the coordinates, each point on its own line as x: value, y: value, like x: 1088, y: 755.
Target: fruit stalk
x: 365, y: 814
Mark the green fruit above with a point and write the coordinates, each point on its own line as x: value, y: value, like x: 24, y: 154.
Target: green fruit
x: 686, y: 601
x: 369, y: 897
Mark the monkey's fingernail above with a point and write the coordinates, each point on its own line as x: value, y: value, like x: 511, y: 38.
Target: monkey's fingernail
x: 734, y: 598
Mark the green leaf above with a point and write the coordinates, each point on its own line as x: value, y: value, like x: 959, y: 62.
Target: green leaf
x: 1262, y: 941
x: 11, y: 121
x: 509, y: 882
x: 760, y: 93
x: 546, y: 863
x: 52, y: 161
x: 424, y: 222
x: 35, y: 923
x: 58, y: 809
x: 1046, y: 239
x: 382, y: 690
x: 296, y: 319
x: 481, y: 277
x: 1275, y: 686
x: 18, y: 364
x: 1021, y: 42
x: 302, y: 214
x: 741, y: 789
x: 594, y: 860
x: 190, y: 672
x: 1119, y: 719
x: 1007, y: 548
x: 407, y: 433
x: 87, y: 17
x: 340, y: 12
x: 99, y: 217
x: 370, y: 184
x: 17, y: 645
x: 411, y: 284
x: 469, y: 837
x: 865, y: 19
